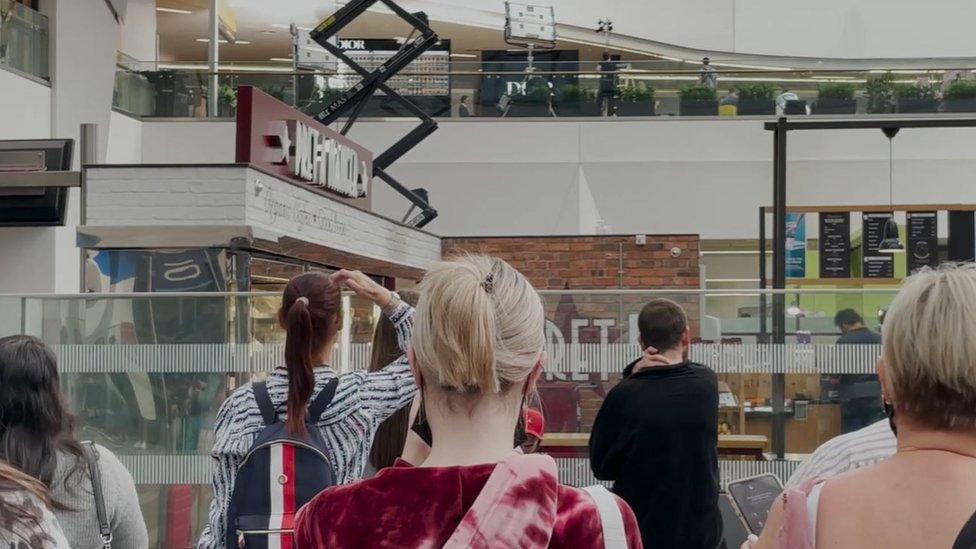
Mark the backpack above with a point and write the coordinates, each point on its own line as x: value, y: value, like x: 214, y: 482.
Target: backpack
x: 280, y: 473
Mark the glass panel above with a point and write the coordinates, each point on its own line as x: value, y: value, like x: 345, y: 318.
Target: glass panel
x: 23, y: 39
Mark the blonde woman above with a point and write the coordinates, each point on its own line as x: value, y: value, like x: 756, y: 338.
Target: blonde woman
x: 477, y: 351
x: 924, y: 495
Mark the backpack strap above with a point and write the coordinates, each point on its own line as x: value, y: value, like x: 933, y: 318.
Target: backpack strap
x: 322, y: 400
x: 263, y: 399
x: 104, y: 526
x: 614, y: 536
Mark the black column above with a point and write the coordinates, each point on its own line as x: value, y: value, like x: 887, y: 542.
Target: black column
x: 779, y: 282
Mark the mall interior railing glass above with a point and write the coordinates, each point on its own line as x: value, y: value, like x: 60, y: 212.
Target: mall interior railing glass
x: 146, y: 373
x: 23, y: 39
x: 555, y: 91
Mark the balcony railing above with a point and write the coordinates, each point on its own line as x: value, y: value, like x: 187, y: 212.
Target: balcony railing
x: 23, y: 39
x: 638, y: 88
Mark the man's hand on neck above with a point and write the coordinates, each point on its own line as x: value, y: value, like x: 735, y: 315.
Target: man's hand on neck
x: 654, y: 358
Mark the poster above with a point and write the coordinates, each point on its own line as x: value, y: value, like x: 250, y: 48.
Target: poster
x: 876, y: 264
x: 923, y: 240
x: 835, y: 245
x: 796, y: 245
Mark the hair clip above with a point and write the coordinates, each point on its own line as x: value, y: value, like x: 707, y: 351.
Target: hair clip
x: 489, y: 283
x: 303, y: 300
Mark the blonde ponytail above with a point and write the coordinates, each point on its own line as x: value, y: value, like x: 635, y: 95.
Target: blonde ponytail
x: 479, y: 326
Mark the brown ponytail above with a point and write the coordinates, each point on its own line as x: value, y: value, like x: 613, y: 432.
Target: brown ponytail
x: 310, y: 314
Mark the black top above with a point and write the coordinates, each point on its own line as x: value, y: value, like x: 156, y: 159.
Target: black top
x: 656, y: 436
x: 861, y: 336
x: 967, y: 537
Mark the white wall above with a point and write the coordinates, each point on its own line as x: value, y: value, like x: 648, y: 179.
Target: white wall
x: 124, y: 140
x: 25, y: 107
x: 25, y: 266
x: 203, y: 142
x: 138, y: 33
x: 664, y: 175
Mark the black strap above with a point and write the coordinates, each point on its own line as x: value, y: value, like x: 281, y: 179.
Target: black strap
x: 322, y: 400
x: 967, y: 537
x: 104, y: 526
x: 264, y: 403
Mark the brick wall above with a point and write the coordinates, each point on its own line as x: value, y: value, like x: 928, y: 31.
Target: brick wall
x: 586, y: 263
x: 592, y: 262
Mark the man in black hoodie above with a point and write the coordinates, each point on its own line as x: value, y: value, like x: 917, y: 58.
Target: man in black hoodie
x: 656, y: 436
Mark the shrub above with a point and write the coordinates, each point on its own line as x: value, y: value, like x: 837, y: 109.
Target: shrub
x: 574, y: 93
x: 757, y: 92
x: 880, y: 91
x: 697, y: 93
x: 914, y: 91
x: 835, y: 90
x: 636, y: 93
x: 961, y: 89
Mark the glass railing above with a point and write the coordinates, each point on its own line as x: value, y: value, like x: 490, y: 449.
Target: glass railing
x: 23, y: 39
x: 559, y: 91
x: 146, y: 373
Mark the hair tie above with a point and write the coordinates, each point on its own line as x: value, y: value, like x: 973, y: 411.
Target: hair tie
x: 303, y: 300
x: 489, y: 283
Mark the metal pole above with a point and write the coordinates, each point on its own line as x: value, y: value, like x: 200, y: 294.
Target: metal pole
x: 763, y: 309
x: 213, y: 58
x: 779, y: 282
x: 88, y: 149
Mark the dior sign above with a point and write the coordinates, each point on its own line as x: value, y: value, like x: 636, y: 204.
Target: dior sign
x: 320, y: 159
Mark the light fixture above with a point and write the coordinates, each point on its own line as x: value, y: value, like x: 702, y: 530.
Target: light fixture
x: 890, y: 243
x: 468, y: 55
x: 283, y: 59
x: 174, y: 10
x: 222, y: 41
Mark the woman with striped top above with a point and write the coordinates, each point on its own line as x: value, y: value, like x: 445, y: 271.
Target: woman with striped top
x: 311, y: 316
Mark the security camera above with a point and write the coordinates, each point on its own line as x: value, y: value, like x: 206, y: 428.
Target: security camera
x: 676, y: 252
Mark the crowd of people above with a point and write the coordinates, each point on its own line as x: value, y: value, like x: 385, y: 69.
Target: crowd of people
x: 436, y: 443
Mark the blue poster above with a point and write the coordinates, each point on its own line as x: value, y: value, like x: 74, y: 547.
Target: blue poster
x: 796, y: 245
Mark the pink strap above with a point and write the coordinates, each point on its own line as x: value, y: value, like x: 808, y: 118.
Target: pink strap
x: 520, y: 493
x: 795, y: 532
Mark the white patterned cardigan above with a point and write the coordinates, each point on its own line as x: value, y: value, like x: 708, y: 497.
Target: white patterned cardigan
x: 362, y: 401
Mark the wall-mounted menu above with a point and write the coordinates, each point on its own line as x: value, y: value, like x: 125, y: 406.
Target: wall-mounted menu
x: 835, y: 245
x: 874, y: 263
x: 923, y: 240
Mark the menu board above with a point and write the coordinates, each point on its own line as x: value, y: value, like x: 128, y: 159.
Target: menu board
x: 962, y: 237
x: 835, y: 245
x: 875, y: 264
x: 923, y: 240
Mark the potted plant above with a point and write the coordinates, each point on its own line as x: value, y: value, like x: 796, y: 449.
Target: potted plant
x: 880, y: 92
x: 698, y: 101
x: 533, y: 102
x: 226, y: 100
x: 757, y: 99
x: 575, y: 100
x: 636, y: 100
x: 961, y: 96
x: 835, y: 98
x: 915, y: 98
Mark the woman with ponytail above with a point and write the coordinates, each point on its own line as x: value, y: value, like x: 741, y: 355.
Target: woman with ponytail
x: 477, y: 352
x: 311, y: 316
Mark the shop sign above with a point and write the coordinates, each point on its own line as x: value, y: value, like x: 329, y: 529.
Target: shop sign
x: 279, y: 139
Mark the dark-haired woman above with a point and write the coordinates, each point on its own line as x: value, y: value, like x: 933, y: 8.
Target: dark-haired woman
x: 391, y: 435
x: 26, y: 521
x: 36, y: 437
x: 311, y: 315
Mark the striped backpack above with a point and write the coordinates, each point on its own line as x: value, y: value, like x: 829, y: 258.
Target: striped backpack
x: 280, y: 473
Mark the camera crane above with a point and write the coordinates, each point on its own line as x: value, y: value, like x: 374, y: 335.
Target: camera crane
x: 353, y: 100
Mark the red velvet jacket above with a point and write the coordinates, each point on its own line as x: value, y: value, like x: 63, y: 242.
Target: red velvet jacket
x: 412, y: 507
